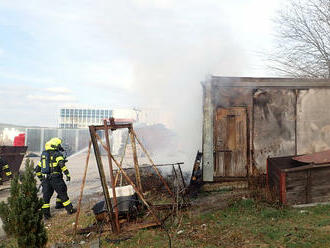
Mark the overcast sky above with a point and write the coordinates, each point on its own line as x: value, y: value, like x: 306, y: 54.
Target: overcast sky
x: 127, y: 53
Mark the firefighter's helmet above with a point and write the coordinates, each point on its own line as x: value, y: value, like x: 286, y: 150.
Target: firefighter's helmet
x: 54, y: 144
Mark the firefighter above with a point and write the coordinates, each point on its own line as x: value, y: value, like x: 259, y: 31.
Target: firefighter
x: 4, y: 167
x: 50, y: 171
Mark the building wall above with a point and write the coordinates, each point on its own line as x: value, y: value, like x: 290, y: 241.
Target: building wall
x: 285, y: 117
x: 273, y: 125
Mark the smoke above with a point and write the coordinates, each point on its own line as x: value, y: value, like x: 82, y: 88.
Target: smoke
x: 165, y: 48
x: 171, y: 49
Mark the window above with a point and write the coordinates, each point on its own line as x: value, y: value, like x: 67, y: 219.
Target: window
x: 93, y: 113
x: 84, y: 112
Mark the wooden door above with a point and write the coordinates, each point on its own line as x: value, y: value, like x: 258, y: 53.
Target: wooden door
x: 230, y: 142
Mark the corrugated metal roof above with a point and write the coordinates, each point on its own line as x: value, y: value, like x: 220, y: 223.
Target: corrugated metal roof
x: 315, y: 158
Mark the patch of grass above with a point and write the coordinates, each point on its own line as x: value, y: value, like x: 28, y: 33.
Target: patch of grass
x: 244, y: 223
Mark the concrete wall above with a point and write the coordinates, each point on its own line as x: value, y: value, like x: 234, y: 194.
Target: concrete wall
x: 313, y: 120
x: 273, y: 125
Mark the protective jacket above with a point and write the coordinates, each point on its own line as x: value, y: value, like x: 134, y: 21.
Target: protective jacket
x: 51, y: 164
x: 4, y: 167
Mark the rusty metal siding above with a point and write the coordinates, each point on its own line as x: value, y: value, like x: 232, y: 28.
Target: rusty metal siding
x: 274, y: 125
x: 313, y: 120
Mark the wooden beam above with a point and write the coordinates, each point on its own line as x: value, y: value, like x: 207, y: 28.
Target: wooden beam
x: 82, y: 189
x: 112, y: 178
x: 136, y: 162
x: 93, y: 134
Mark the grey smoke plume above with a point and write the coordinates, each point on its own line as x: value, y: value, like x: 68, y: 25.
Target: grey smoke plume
x: 171, y: 48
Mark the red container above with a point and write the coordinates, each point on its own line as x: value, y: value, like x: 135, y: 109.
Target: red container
x: 19, y: 140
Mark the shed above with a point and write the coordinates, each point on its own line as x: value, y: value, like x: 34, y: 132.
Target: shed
x: 246, y: 120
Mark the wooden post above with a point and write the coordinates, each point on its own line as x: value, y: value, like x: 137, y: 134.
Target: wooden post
x: 82, y: 189
x: 309, y: 186
x: 112, y: 178
x: 282, y: 187
x: 102, y: 177
x: 153, y: 165
x: 136, y: 163
x: 116, y: 177
x: 184, y: 183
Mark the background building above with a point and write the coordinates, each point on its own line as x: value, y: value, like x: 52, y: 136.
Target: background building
x: 79, y: 117
x: 75, y: 117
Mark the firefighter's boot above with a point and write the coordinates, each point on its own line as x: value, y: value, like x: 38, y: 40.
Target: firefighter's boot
x: 59, y: 204
x: 70, y: 209
x: 46, y: 213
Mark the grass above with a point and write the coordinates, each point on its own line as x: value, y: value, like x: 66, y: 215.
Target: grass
x: 244, y: 223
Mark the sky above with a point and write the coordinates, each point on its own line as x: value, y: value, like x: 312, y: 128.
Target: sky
x: 129, y: 53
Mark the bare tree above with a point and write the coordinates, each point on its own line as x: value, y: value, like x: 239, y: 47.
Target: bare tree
x: 303, y: 39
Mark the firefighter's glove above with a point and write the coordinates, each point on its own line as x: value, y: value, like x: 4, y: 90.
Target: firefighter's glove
x: 68, y: 179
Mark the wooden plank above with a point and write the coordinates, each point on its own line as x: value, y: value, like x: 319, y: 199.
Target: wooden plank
x: 283, y: 188
x: 296, y: 183
x: 296, y: 175
x: 316, y: 199
x: 319, y: 191
x: 308, y: 187
x: 113, y: 127
x: 306, y: 167
x: 136, y: 162
x: 298, y: 188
